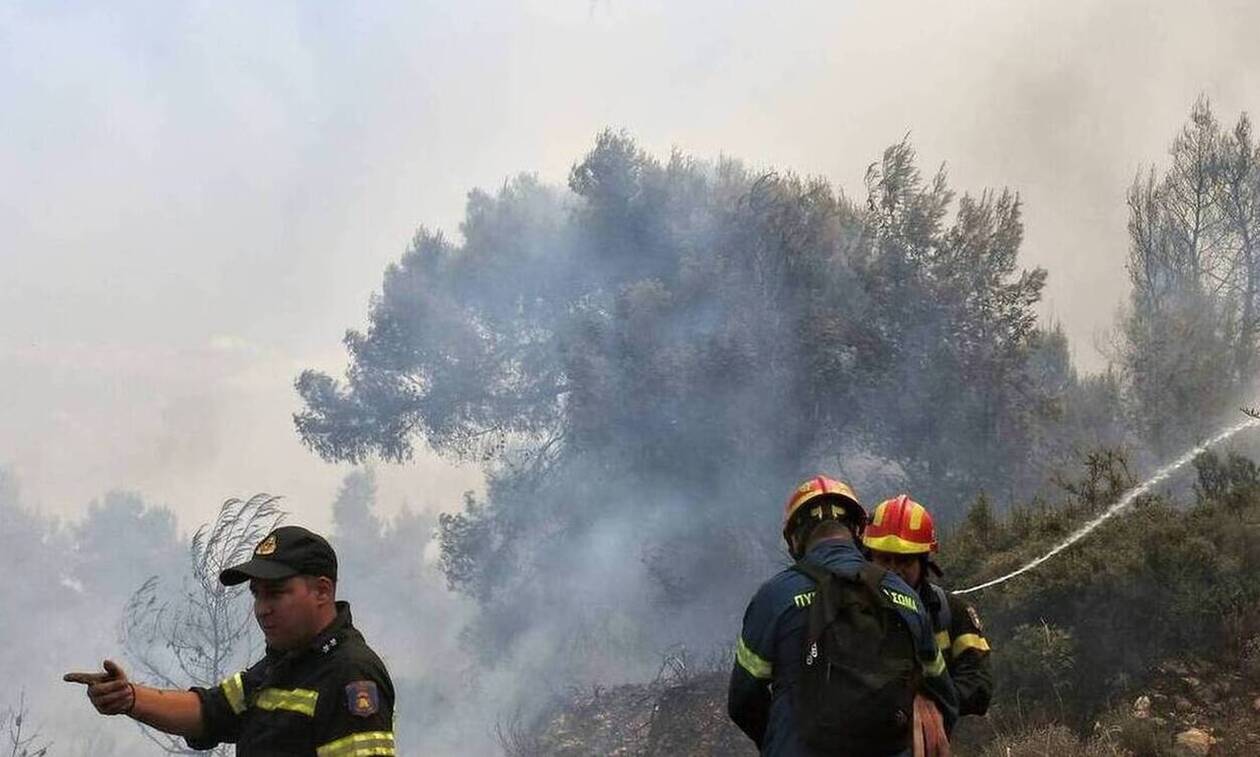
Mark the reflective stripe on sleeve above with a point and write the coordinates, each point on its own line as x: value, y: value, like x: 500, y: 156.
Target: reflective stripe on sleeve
x: 969, y: 641
x: 942, y: 640
x: 367, y: 744
x: 936, y: 667
x: 234, y: 689
x: 294, y: 700
x: 751, y: 661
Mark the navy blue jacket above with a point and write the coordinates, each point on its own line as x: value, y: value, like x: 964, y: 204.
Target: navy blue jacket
x: 960, y: 637
x: 766, y: 666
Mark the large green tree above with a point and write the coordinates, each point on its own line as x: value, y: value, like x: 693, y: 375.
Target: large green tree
x: 648, y: 361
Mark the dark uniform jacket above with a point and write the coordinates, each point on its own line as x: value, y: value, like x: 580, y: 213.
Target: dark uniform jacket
x: 768, y: 653
x: 961, y: 640
x: 331, y: 699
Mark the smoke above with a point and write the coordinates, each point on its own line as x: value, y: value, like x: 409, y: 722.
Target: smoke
x: 201, y: 202
x: 249, y: 173
x: 644, y: 366
x: 63, y: 589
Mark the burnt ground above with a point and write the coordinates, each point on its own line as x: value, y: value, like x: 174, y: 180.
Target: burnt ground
x: 1186, y: 708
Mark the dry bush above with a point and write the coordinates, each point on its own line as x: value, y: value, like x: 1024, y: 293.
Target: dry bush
x: 1053, y: 741
x: 17, y: 738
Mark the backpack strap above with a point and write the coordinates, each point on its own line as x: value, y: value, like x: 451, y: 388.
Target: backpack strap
x: 873, y: 576
x: 823, y: 601
x: 869, y: 574
x: 817, y: 573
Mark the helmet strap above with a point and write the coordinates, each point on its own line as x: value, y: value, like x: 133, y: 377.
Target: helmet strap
x: 804, y: 529
x: 930, y: 566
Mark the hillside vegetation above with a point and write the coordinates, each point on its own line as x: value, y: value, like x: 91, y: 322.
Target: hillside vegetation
x: 1142, y: 640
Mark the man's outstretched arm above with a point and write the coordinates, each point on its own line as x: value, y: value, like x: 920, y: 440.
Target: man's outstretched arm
x: 111, y: 693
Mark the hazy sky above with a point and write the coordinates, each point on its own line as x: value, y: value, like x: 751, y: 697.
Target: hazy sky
x: 197, y: 199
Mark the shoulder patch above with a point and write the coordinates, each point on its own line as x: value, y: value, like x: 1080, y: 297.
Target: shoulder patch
x: 362, y: 698
x: 975, y: 618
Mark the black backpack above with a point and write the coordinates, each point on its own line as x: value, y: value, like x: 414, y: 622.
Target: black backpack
x: 859, y: 672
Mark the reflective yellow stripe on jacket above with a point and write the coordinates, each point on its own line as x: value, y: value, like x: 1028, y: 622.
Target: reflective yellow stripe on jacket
x: 234, y: 689
x: 294, y: 700
x: 969, y: 641
x: 936, y: 667
x: 751, y: 661
x: 367, y: 744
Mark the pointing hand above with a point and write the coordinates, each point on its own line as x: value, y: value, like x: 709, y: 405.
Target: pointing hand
x: 110, y: 691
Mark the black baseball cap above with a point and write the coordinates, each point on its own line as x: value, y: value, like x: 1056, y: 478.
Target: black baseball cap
x: 285, y: 552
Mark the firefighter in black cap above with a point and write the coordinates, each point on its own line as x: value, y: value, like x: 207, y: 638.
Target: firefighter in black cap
x: 320, y: 690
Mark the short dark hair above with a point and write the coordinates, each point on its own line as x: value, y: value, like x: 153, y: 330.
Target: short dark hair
x: 829, y: 527
x: 311, y: 580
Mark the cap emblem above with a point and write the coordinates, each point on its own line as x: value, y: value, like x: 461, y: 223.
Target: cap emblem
x: 267, y: 547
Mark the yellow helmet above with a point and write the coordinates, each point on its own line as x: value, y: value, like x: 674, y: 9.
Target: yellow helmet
x: 827, y: 498
x: 900, y: 525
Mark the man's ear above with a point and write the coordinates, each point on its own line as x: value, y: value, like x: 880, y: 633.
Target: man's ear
x: 325, y: 588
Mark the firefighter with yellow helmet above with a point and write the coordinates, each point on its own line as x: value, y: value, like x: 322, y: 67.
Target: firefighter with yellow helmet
x: 901, y: 537
x: 779, y: 695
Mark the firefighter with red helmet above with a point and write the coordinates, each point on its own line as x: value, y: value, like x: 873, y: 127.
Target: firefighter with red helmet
x: 901, y: 537
x: 822, y: 524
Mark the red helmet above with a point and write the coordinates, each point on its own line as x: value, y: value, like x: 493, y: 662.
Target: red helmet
x: 824, y: 493
x: 900, y: 525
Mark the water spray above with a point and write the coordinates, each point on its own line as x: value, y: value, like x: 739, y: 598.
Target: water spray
x: 1157, y: 478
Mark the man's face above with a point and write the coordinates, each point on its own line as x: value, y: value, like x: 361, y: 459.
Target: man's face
x: 288, y: 610
x: 909, y: 567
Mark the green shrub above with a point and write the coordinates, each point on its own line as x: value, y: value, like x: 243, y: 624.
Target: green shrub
x: 1159, y: 581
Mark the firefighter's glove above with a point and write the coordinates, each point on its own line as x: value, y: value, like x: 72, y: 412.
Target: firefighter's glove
x: 110, y: 691
x: 929, y: 729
